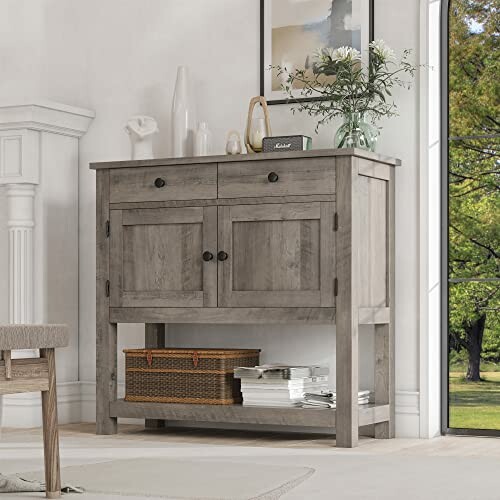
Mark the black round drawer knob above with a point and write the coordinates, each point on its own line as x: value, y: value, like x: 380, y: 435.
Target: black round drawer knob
x: 159, y: 182
x: 208, y: 256
x: 222, y: 255
x: 273, y: 177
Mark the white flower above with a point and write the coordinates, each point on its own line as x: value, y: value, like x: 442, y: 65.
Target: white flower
x: 346, y: 54
x: 382, y: 50
x: 342, y: 54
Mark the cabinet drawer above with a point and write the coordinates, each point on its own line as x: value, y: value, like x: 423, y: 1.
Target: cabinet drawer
x: 183, y: 182
x: 277, y: 178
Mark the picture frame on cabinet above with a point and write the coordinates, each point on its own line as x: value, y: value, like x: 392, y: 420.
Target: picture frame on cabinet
x: 291, y: 31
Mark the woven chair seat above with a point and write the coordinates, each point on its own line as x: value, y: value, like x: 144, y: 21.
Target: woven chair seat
x: 32, y: 336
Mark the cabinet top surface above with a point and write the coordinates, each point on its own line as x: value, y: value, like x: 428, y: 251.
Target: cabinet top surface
x: 248, y: 157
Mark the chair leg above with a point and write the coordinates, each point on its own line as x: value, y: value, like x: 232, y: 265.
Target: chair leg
x: 50, y: 432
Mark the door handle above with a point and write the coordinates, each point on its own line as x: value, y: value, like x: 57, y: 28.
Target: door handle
x: 222, y: 256
x: 208, y: 256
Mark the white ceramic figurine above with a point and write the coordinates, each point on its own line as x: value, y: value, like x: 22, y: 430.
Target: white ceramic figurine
x: 141, y: 130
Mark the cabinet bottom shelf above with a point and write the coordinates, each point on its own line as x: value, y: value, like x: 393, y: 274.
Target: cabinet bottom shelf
x: 238, y: 414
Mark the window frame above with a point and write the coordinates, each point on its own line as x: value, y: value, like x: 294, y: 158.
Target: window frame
x: 444, y: 127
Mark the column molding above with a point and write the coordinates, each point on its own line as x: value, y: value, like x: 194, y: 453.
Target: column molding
x: 20, y: 226
x: 22, y: 128
x: 46, y: 116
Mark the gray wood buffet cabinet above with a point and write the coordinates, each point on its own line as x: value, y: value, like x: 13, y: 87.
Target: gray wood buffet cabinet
x: 298, y: 237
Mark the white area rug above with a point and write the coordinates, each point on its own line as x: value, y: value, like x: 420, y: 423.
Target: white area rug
x: 445, y: 468
x: 185, y: 479
x: 336, y: 476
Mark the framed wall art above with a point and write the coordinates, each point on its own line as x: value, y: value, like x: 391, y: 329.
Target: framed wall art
x: 292, y: 31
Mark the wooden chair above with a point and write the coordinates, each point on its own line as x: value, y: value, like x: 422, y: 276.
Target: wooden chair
x: 36, y: 374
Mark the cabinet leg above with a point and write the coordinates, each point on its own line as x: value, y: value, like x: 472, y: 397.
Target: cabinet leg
x: 347, y: 306
x: 384, y: 334
x: 347, y: 418
x: 50, y: 432
x: 384, y: 378
x: 106, y: 377
x: 154, y: 338
x: 105, y: 331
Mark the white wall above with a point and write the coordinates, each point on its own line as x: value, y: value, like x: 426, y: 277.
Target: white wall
x: 119, y: 58
x: 22, y: 49
x: 22, y: 34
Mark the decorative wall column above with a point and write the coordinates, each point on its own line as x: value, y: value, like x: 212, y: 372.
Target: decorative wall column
x: 20, y: 223
x: 23, y: 161
x: 39, y: 145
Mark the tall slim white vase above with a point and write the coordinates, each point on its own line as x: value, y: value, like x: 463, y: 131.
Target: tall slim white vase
x: 182, y: 115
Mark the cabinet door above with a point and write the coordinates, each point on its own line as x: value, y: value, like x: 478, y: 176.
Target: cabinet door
x: 156, y: 257
x: 278, y: 255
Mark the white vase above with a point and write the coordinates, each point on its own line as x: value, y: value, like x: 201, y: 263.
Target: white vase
x: 141, y: 130
x: 202, y: 140
x: 182, y: 115
x: 233, y: 143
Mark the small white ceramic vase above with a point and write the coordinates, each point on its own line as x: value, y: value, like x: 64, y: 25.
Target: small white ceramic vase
x: 233, y: 143
x: 202, y: 140
x: 141, y: 130
x: 182, y: 115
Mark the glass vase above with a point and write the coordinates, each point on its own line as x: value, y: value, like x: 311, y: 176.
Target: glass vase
x: 355, y: 132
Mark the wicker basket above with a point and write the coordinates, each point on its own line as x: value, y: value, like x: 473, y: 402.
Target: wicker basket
x: 203, y: 376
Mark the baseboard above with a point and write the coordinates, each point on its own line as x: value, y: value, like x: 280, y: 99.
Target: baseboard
x: 407, y: 403
x: 76, y: 403
x: 87, y: 406
x: 407, y: 414
x: 25, y: 410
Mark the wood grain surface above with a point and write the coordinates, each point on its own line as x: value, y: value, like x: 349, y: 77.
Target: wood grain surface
x: 200, y: 160
x: 186, y: 182
x: 368, y: 414
x: 154, y: 338
x: 106, y: 356
x: 50, y: 430
x: 295, y: 177
x: 316, y: 246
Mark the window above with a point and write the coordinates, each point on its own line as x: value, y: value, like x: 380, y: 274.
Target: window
x: 471, y: 215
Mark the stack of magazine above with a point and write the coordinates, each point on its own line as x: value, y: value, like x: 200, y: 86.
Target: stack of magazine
x: 325, y: 399
x: 280, y: 385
